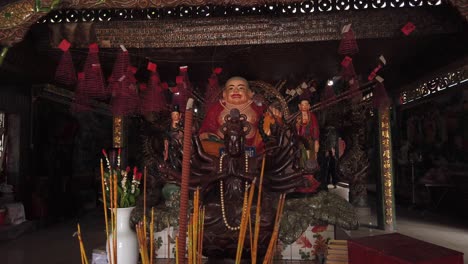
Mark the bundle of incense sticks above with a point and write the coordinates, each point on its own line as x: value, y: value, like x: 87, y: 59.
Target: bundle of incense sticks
x: 152, y: 235
x: 142, y: 243
x: 274, y: 237
x: 113, y: 190
x: 248, y: 198
x: 184, y: 185
x: 141, y: 229
x: 257, y: 214
x: 196, y: 224
x: 177, y: 250
x: 144, y: 199
x: 113, y: 202
x: 103, y: 185
x: 84, y: 259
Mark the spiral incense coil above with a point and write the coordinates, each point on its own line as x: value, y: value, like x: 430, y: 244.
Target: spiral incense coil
x: 184, y: 186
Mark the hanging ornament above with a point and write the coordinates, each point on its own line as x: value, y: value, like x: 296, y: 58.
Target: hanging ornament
x: 93, y: 84
x: 380, y: 97
x: 153, y: 99
x: 213, y: 89
x: 348, y: 45
x: 65, y: 73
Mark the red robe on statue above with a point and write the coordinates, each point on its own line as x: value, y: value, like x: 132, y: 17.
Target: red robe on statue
x: 213, y: 121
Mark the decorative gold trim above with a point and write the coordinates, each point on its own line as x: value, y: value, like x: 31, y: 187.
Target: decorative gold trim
x: 387, y: 168
x: 118, y: 127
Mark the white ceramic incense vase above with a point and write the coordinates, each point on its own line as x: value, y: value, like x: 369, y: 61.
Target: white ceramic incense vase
x: 127, y: 242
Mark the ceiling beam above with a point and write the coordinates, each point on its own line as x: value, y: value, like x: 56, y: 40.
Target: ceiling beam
x: 252, y: 30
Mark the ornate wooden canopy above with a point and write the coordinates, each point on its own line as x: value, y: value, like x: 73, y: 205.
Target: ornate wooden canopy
x: 17, y: 16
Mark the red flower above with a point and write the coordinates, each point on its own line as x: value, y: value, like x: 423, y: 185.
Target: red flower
x: 135, y: 171
x: 319, y: 228
x: 104, y: 153
x: 127, y: 169
x: 137, y: 176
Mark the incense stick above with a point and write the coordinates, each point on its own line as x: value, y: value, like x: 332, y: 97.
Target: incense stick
x: 84, y: 259
x: 142, y: 242
x: 279, y: 211
x: 200, y: 243
x: 144, y: 200
x: 190, y: 240
x: 240, y: 241
x: 257, y: 214
x: 111, y: 201
x: 152, y: 235
x: 115, y: 220
x: 103, y: 185
x: 176, y: 250
x: 248, y: 198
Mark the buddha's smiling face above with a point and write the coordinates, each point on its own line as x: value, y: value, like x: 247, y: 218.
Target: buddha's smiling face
x: 237, y: 91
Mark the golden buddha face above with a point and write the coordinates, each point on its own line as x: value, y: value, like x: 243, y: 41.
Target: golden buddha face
x: 237, y: 91
x: 304, y: 106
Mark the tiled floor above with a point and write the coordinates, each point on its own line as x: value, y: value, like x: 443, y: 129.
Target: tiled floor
x: 56, y: 244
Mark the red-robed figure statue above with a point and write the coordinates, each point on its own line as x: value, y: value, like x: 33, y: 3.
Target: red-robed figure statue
x: 236, y: 94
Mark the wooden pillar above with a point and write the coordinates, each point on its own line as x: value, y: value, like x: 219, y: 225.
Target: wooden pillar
x: 386, y: 171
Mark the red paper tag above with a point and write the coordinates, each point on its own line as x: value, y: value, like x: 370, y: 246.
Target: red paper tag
x: 80, y: 75
x: 93, y: 47
x: 175, y: 89
x: 217, y: 70
x: 408, y: 28
x: 164, y: 85
x: 179, y: 79
x: 183, y: 68
x: 346, y: 61
x: 152, y: 67
x: 64, y: 45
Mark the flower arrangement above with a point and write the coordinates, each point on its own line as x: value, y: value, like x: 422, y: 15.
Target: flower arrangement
x: 127, y: 182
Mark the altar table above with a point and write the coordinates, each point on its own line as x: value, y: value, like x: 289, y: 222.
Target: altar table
x: 399, y: 249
